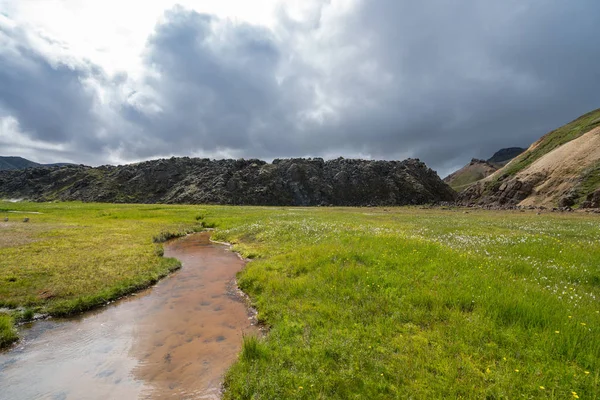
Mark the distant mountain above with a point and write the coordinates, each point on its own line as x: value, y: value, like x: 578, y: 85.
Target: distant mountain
x: 503, y: 156
x: 470, y: 173
x: 561, y: 169
x: 23, y: 163
x: 16, y: 163
x: 252, y: 182
x: 479, y: 169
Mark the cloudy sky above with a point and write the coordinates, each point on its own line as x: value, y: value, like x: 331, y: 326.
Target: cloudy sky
x: 99, y: 82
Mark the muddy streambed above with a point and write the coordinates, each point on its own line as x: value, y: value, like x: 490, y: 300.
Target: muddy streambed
x: 174, y: 340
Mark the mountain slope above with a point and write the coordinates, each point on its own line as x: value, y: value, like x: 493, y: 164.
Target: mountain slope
x: 503, y: 156
x: 23, y: 163
x: 470, y: 173
x: 252, y: 182
x: 479, y: 169
x: 560, y: 169
x: 16, y: 163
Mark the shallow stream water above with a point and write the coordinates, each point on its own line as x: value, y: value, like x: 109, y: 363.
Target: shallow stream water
x: 172, y: 341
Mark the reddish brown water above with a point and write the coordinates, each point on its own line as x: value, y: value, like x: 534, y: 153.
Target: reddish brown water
x: 174, y: 340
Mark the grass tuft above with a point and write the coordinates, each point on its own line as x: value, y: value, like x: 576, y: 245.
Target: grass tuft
x: 166, y: 236
x: 252, y: 349
x: 8, y: 333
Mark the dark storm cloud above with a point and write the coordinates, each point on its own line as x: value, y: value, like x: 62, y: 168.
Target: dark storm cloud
x: 48, y: 99
x: 469, y: 77
x: 212, y: 85
x: 442, y: 81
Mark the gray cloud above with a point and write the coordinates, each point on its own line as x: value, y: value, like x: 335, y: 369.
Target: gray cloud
x: 469, y: 77
x: 436, y: 80
x: 205, y: 90
x: 48, y: 98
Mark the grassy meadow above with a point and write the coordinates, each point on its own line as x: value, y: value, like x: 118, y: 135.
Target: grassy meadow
x: 71, y: 257
x: 359, y: 303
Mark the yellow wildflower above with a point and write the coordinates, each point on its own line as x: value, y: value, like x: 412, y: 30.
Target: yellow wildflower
x: 541, y: 387
x: 556, y: 331
x: 586, y: 372
x: 516, y: 370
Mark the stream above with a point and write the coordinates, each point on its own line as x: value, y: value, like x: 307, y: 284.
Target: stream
x: 172, y: 341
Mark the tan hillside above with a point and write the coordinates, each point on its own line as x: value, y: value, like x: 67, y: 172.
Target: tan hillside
x: 561, y: 169
x: 472, y: 172
x: 480, y: 169
x: 556, y: 173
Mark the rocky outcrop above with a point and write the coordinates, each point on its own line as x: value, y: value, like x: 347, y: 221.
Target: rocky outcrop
x: 509, y: 193
x: 592, y: 200
x: 245, y: 182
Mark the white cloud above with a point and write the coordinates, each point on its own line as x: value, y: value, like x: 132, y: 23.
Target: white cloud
x: 113, y: 33
x: 14, y: 141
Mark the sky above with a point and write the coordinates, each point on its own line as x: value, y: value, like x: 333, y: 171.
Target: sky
x: 114, y: 82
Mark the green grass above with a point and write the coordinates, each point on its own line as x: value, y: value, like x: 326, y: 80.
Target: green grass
x: 466, y: 179
x: 8, y: 334
x: 554, y: 139
x: 74, y: 256
x: 415, y: 303
x: 359, y: 303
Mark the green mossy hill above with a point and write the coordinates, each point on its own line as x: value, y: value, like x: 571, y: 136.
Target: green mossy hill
x: 552, y: 140
x: 244, y: 182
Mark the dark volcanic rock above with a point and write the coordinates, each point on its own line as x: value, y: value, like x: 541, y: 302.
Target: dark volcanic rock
x: 251, y: 182
x: 508, y: 193
x: 592, y: 200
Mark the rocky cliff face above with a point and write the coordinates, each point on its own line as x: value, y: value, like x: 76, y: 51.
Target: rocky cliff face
x: 249, y: 182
